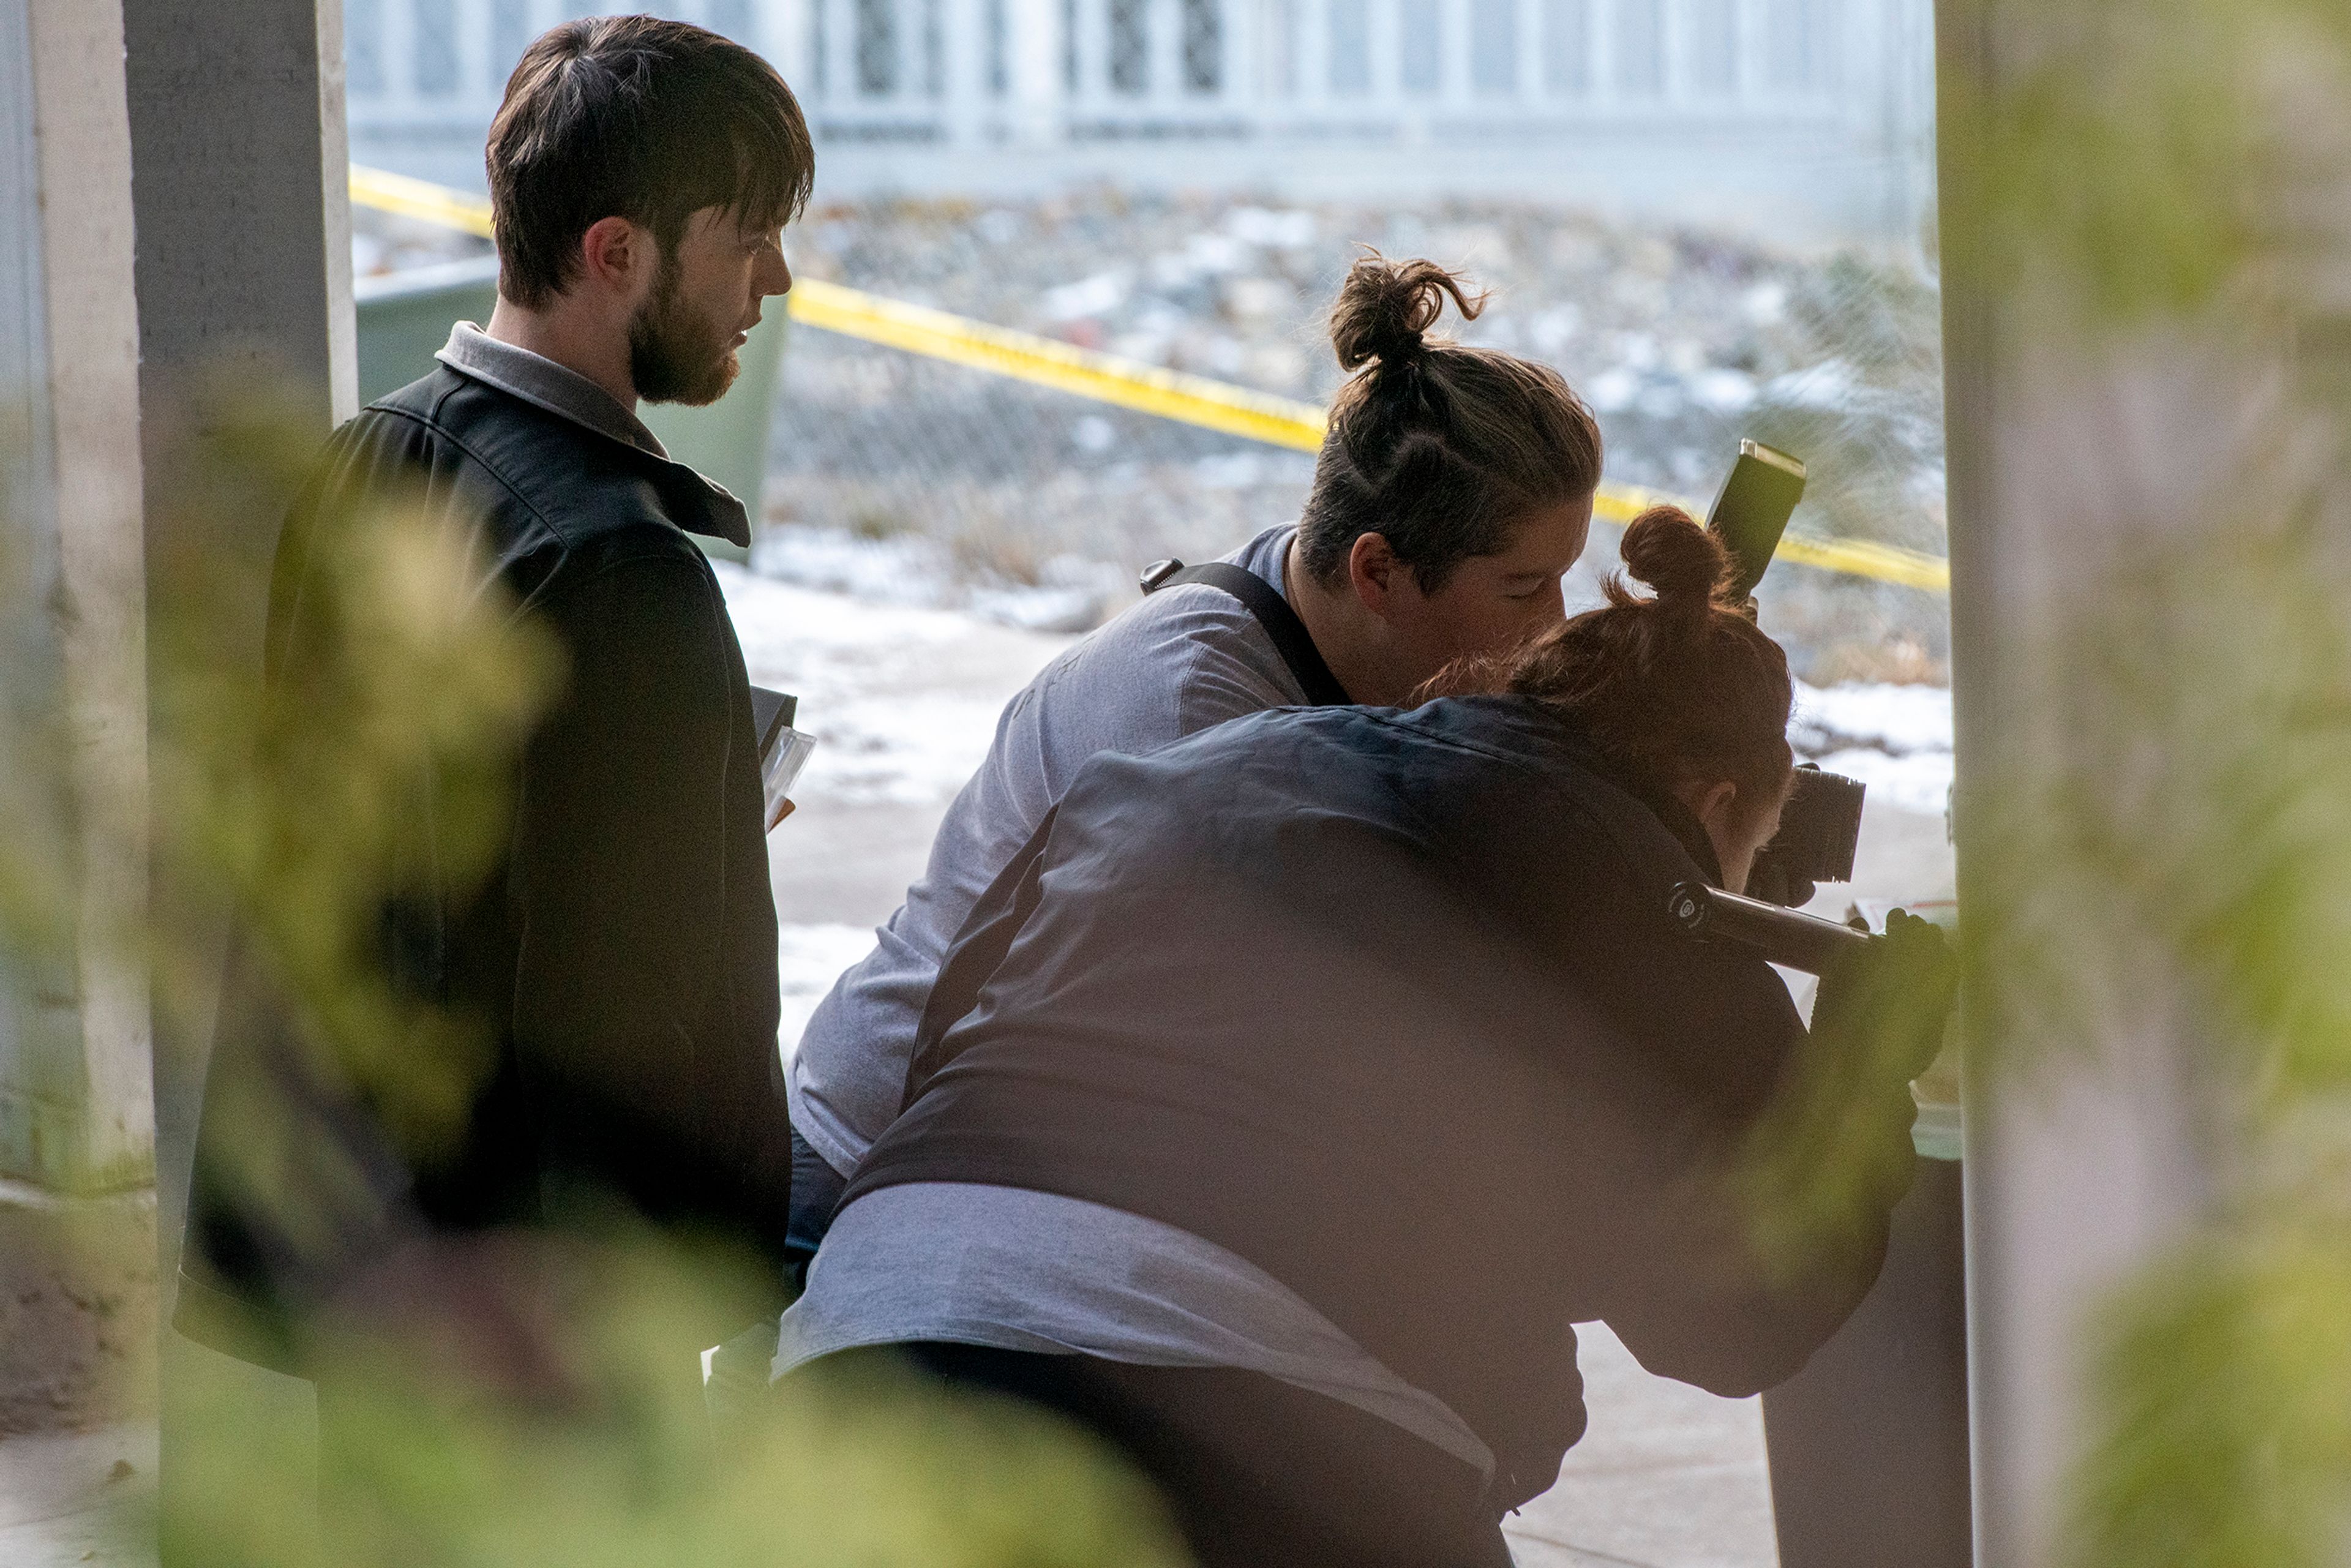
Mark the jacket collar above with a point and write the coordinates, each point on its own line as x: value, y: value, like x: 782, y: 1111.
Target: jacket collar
x: 1536, y: 732
x: 702, y: 505
x: 540, y: 381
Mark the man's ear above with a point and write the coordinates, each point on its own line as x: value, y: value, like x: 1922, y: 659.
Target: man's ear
x: 617, y: 256
x: 1376, y: 575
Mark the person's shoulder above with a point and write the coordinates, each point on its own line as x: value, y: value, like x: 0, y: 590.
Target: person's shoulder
x: 1192, y: 635
x: 581, y: 483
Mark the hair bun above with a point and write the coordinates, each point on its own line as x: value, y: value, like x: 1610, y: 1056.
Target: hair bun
x: 1385, y: 306
x: 1666, y: 547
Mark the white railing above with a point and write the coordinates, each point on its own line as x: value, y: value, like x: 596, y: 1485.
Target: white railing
x: 980, y: 72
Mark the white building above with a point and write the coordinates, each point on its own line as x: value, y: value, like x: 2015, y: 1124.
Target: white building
x: 1809, y: 119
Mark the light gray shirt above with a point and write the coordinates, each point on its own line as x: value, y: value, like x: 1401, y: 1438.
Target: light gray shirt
x: 1037, y: 1272
x: 540, y: 381
x: 1184, y: 659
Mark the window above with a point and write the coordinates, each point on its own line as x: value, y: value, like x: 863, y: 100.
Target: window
x: 1204, y: 46
x: 436, y: 47
x: 1801, y: 38
x: 511, y: 30
x: 363, y: 44
x: 1351, y: 47
x: 1567, y: 48
x: 1494, y: 47
x: 877, y: 47
x: 1420, y: 45
x: 1641, y: 48
x: 1130, y: 48
x: 1711, y: 46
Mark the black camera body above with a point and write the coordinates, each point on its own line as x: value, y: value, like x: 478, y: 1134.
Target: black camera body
x: 1820, y: 828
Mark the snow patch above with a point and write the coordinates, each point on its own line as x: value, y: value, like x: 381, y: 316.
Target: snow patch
x: 1920, y: 782
x: 917, y: 571
x: 809, y: 959
x: 1097, y: 296
x: 1898, y: 719
x: 1895, y: 739
x: 903, y: 701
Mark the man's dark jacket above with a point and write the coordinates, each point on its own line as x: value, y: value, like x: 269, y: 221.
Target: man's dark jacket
x: 619, y: 958
x: 1390, y: 1006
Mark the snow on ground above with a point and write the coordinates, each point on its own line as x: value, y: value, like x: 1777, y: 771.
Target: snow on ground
x: 1920, y: 782
x: 1897, y: 719
x: 886, y: 685
x: 810, y: 958
x: 1897, y: 739
x: 901, y: 701
x: 904, y: 700
x: 1072, y: 594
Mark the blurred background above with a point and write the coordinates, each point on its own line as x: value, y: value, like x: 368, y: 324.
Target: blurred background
x: 1715, y: 217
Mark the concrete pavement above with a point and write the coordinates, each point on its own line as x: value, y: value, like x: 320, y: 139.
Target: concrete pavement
x: 70, y: 1499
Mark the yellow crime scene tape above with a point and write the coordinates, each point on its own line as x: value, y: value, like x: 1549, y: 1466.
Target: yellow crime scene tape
x: 1128, y: 383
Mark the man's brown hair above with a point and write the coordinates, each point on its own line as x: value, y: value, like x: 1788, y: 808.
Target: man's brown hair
x: 643, y: 118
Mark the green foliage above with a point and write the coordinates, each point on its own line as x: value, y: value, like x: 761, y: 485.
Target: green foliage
x: 2188, y: 829
x: 438, y: 1447
x: 500, y: 1400
x: 2162, y: 855
x: 2222, y: 1388
x: 2130, y: 152
x: 2191, y: 810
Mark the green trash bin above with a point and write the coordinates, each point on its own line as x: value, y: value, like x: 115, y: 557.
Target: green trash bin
x: 405, y: 319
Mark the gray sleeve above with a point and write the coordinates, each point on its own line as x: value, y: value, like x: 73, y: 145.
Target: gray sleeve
x: 1182, y: 661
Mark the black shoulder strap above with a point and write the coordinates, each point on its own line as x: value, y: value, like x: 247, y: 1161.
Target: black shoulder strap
x: 1290, y: 638
x: 980, y: 945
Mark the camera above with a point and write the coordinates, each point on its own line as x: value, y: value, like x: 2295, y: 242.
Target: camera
x: 1820, y: 828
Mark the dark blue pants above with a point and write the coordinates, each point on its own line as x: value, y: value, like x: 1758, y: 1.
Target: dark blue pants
x: 815, y: 1192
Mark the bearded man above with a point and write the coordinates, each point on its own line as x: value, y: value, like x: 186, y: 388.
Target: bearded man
x: 620, y: 957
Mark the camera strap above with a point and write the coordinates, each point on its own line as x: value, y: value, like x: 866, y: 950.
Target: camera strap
x: 1261, y: 599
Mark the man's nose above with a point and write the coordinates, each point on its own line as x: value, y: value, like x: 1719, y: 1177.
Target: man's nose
x: 775, y: 275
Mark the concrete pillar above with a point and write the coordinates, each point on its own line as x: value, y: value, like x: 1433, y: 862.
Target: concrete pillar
x: 244, y: 279
x: 76, y: 1111
x: 76, y: 1105
x: 2082, y: 443
x: 236, y: 115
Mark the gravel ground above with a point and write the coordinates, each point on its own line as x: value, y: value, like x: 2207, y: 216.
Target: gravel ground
x: 933, y: 485
x: 1681, y: 343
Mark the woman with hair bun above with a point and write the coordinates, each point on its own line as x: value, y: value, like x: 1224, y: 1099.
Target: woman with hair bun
x: 1289, y: 1098
x: 1454, y: 489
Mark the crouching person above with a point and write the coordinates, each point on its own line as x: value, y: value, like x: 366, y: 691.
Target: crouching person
x: 1454, y: 488
x: 1287, y: 1101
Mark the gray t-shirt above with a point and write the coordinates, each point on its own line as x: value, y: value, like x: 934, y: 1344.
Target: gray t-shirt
x: 1183, y: 660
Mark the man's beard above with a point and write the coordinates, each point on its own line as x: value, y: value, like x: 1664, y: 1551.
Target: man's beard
x: 675, y: 355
